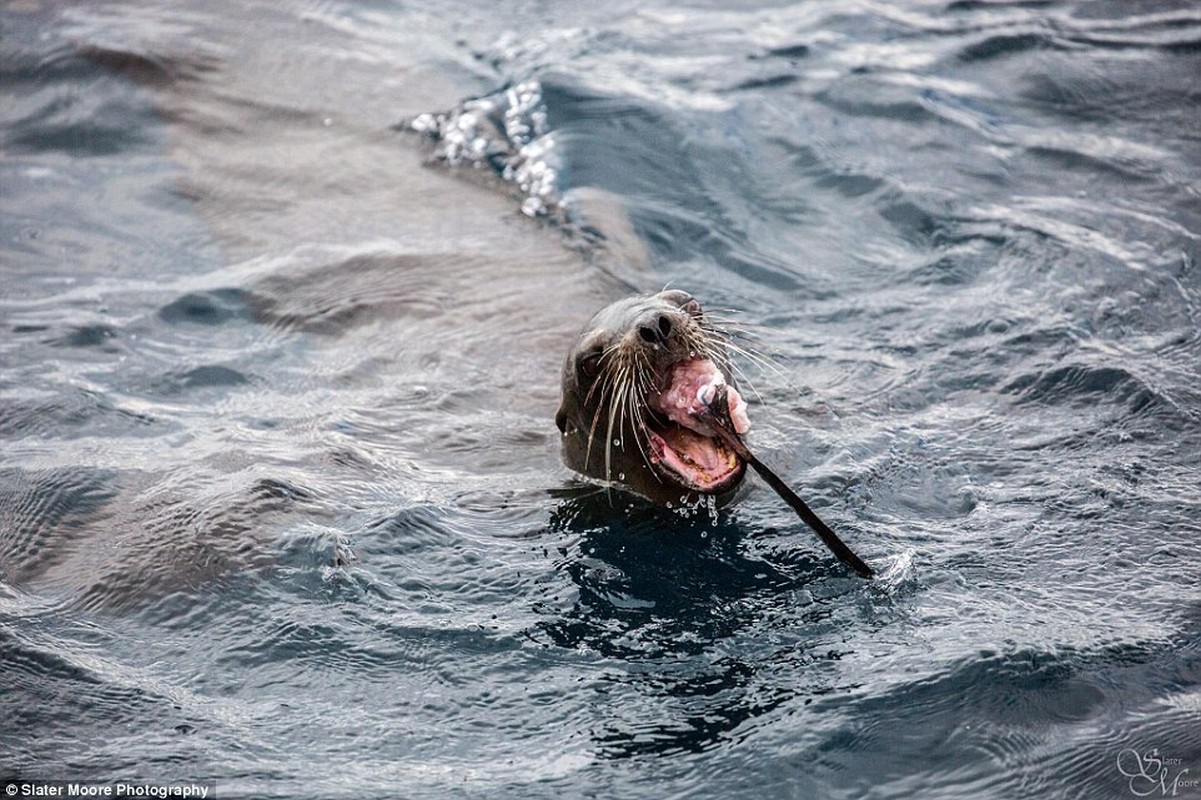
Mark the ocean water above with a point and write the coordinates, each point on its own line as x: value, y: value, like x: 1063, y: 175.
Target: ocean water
x: 281, y: 507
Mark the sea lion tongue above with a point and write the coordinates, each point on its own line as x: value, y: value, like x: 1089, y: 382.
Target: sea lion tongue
x: 717, y: 415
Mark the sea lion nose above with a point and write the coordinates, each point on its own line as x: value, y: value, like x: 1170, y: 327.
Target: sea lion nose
x: 655, y: 329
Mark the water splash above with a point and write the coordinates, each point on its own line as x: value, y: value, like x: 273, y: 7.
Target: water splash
x: 505, y: 132
x: 897, y: 573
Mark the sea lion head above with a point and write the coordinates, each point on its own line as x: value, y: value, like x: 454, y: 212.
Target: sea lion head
x: 634, y: 384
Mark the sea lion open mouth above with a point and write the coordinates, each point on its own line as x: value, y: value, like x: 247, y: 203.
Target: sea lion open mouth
x: 635, y: 385
x: 680, y: 441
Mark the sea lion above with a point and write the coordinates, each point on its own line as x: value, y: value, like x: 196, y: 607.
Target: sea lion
x: 634, y: 387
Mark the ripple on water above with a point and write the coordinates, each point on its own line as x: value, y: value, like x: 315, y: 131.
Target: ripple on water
x: 41, y: 512
x: 968, y: 228
x: 77, y: 412
x: 1085, y: 385
x: 107, y: 540
x: 998, y: 714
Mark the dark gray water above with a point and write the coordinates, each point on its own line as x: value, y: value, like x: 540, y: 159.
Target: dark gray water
x: 280, y: 501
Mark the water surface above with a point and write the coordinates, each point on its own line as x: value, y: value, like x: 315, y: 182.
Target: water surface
x: 280, y: 499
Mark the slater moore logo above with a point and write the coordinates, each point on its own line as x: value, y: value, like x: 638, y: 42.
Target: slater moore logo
x: 1150, y: 774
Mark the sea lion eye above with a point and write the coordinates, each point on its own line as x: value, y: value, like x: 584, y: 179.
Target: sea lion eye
x: 590, y: 363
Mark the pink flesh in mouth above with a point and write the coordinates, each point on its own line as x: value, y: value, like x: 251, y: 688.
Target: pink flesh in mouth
x: 690, y: 389
x: 687, y: 447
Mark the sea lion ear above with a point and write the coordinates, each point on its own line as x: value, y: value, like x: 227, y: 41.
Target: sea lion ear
x: 561, y: 421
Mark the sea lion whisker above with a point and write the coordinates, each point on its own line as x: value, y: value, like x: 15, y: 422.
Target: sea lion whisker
x: 609, y: 366
x: 591, y: 438
x: 745, y: 340
x: 732, y: 329
x: 598, y: 383
x: 757, y: 358
x: 745, y: 379
x: 604, y: 366
x: 617, y: 414
x: 746, y: 346
x: 643, y: 389
x: 600, y: 405
x: 734, y: 368
x: 715, y: 352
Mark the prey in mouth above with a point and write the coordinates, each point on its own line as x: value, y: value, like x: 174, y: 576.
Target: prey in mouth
x: 635, y: 388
